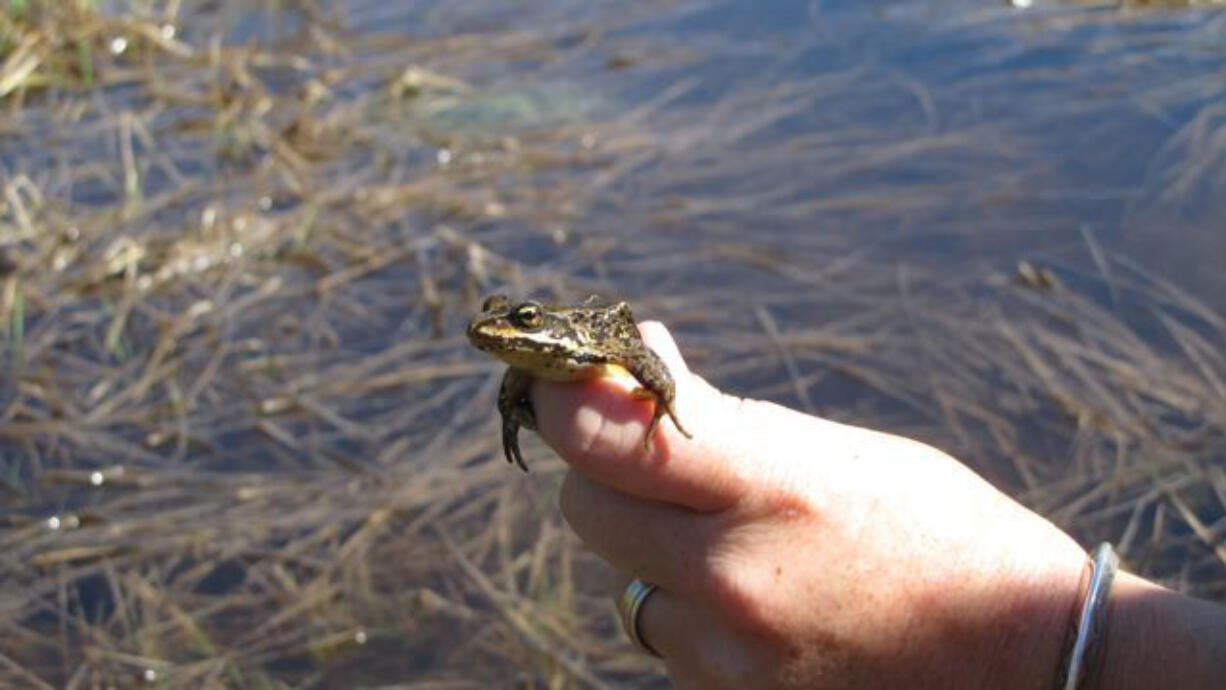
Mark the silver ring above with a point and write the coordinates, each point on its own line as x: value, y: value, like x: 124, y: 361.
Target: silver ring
x: 629, y: 605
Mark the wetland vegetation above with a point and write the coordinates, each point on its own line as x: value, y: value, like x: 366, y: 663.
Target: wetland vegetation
x: 243, y: 442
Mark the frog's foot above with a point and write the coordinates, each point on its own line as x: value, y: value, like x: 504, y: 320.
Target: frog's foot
x: 515, y: 406
x: 510, y: 445
x: 663, y: 407
x: 518, y: 415
x: 672, y: 414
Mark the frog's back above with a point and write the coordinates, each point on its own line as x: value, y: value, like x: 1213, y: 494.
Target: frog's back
x: 608, y: 327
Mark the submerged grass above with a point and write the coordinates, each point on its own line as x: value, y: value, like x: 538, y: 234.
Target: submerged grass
x: 242, y: 442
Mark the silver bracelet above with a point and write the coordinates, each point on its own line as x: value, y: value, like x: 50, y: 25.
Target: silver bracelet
x: 1091, y: 620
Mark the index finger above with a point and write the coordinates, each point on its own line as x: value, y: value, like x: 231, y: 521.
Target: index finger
x: 598, y: 427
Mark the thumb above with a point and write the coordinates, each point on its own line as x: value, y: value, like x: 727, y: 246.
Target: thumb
x: 597, y: 427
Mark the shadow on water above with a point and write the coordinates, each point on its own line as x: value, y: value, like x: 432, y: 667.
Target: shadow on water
x: 242, y: 441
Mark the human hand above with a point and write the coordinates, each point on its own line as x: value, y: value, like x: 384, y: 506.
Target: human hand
x: 791, y: 551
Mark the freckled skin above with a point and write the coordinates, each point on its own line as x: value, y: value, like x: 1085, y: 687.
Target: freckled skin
x: 566, y: 343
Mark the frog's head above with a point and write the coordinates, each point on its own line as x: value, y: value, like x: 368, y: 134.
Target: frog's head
x: 530, y: 335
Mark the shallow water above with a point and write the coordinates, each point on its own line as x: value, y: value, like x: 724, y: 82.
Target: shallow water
x: 946, y: 131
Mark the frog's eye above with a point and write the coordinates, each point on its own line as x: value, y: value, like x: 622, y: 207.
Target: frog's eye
x: 495, y: 303
x: 528, y: 315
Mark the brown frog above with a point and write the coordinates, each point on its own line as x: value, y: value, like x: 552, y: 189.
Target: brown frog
x: 566, y: 343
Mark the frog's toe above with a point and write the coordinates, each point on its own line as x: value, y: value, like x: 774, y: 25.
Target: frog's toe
x: 510, y: 447
x: 672, y: 414
x: 662, y: 409
x: 651, y: 431
x: 652, y: 426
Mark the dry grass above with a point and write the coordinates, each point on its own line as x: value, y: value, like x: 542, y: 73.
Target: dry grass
x: 242, y: 443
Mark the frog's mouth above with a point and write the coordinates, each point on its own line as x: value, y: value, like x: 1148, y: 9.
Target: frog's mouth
x: 475, y: 337
x: 498, y: 340
x: 484, y: 340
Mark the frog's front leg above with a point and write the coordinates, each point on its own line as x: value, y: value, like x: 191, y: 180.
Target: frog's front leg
x: 515, y: 406
x: 655, y: 381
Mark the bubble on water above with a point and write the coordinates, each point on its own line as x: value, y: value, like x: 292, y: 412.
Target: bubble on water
x: 118, y: 45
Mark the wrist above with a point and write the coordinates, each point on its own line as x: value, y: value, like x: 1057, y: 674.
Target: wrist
x: 1033, y: 645
x: 1009, y: 633
x: 1160, y: 638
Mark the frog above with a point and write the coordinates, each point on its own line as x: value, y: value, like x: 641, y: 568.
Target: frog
x: 594, y: 338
